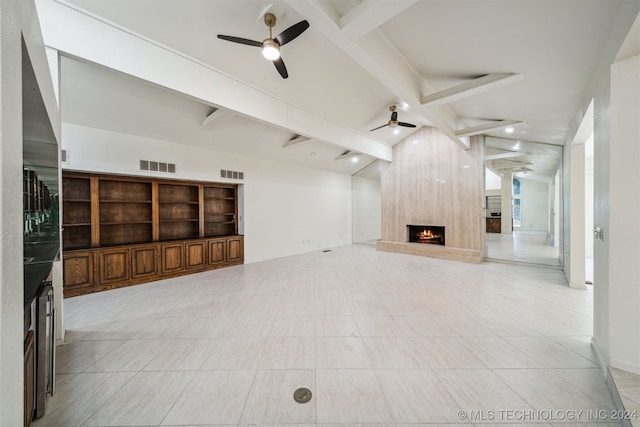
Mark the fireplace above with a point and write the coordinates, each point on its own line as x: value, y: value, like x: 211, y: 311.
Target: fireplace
x: 429, y: 234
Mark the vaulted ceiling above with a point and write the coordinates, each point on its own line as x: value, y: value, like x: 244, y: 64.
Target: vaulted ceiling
x: 462, y: 66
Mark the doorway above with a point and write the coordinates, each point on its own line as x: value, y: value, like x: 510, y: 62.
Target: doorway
x: 366, y: 204
x: 525, y: 177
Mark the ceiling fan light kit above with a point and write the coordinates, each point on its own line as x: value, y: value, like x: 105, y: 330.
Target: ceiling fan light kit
x: 270, y: 50
x: 271, y: 46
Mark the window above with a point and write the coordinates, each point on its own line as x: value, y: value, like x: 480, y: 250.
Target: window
x: 515, y: 203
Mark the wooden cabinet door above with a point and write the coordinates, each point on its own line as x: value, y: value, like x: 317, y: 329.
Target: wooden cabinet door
x: 114, y: 265
x: 234, y: 249
x: 493, y: 225
x: 217, y: 252
x: 196, y: 253
x: 172, y: 257
x: 29, y: 378
x: 78, y: 269
x: 144, y: 261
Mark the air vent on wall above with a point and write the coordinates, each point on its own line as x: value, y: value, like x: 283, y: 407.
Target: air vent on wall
x: 231, y: 174
x: 153, y: 166
x: 64, y: 156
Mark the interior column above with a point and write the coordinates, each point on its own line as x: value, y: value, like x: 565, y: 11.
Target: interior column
x: 505, y: 193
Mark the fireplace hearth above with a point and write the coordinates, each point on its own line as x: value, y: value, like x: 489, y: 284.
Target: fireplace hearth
x: 429, y: 234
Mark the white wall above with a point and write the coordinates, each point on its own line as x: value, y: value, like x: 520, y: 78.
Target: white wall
x: 17, y: 19
x: 534, y: 205
x: 624, y: 216
x: 287, y: 209
x: 600, y: 91
x: 492, y: 181
x: 367, y: 209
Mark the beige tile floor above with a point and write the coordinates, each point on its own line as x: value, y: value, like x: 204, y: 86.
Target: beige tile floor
x: 381, y: 339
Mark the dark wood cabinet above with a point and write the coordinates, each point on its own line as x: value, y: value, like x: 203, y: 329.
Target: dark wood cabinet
x: 76, y: 212
x: 220, y: 211
x: 217, y: 251
x: 29, y: 378
x: 196, y: 254
x: 235, y: 249
x: 144, y: 262
x: 172, y: 257
x: 78, y: 267
x: 114, y: 265
x: 122, y: 230
x: 493, y: 225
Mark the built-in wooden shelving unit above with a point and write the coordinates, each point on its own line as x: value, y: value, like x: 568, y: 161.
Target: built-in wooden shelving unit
x: 121, y: 230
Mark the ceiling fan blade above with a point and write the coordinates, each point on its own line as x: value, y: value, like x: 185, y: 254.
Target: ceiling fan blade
x: 279, y: 63
x: 240, y: 40
x: 291, y: 33
x: 379, y: 127
x: 407, y: 125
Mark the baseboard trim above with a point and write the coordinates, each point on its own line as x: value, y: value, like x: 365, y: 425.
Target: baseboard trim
x: 625, y: 366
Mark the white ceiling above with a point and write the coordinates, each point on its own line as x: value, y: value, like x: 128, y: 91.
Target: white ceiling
x: 356, y: 59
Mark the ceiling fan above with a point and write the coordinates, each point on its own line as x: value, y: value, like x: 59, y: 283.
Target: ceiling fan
x: 393, y: 122
x: 271, y: 46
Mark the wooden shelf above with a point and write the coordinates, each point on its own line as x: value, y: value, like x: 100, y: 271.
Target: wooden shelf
x: 142, y: 202
x: 178, y: 203
x: 80, y: 224
x: 77, y: 200
x: 179, y: 220
x: 124, y: 222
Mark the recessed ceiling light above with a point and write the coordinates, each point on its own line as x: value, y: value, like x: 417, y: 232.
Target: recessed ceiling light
x: 508, y: 130
x: 415, y: 141
x: 396, y: 131
x: 404, y: 105
x: 354, y: 159
x: 466, y: 166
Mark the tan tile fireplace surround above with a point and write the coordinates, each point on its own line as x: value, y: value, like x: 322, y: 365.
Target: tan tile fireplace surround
x: 433, y: 180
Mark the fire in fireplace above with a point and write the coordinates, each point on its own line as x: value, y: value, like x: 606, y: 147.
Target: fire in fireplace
x: 429, y: 234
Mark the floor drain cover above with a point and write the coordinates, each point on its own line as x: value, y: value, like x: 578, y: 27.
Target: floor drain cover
x: 302, y: 395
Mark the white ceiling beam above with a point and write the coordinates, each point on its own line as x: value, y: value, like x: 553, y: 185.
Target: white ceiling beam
x: 505, y: 155
x: 489, y: 127
x: 470, y: 88
x: 217, y: 114
x: 75, y: 33
x: 294, y: 141
x: 369, y: 15
x: 514, y: 166
x: 382, y: 60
